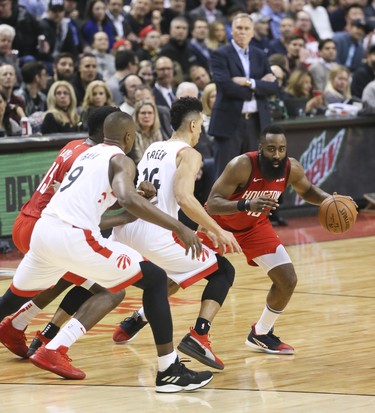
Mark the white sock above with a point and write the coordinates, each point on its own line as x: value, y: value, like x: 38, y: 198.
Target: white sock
x: 165, y: 361
x: 141, y: 312
x: 24, y: 315
x: 68, y: 335
x: 267, y: 320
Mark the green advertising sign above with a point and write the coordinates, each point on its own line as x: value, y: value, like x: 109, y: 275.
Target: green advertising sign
x: 20, y: 175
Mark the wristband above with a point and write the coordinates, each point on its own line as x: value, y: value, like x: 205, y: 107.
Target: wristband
x: 243, y: 205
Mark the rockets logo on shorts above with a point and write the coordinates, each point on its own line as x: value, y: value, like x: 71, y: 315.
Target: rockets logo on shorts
x: 123, y: 261
x: 205, y: 255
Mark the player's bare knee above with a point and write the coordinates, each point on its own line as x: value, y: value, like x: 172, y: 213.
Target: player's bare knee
x: 284, y: 277
x: 117, y: 297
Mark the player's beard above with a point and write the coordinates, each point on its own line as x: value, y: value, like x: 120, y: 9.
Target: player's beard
x: 267, y: 167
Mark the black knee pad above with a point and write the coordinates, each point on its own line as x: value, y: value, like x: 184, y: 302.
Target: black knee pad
x: 152, y: 275
x: 219, y: 282
x: 10, y: 303
x: 74, y: 299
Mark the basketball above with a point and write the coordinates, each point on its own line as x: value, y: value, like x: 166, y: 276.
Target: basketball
x: 337, y: 214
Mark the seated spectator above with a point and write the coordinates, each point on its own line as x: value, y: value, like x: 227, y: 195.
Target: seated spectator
x: 198, y: 43
x: 364, y: 74
x: 338, y: 87
x: 305, y: 29
x: 350, y: 52
x: 58, y: 33
x: 115, y: 12
x: 321, y: 69
x: 294, y: 7
x: 145, y: 71
x: 217, y: 35
x: 128, y: 87
x: 34, y: 76
x: 296, y: 52
x: 105, y: 61
x: 97, y: 94
x: 7, y: 54
x: 87, y: 72
x: 150, y: 43
x: 147, y: 128
x: 207, y: 10
x: 126, y: 63
x: 276, y: 11
x: 63, y: 69
x: 144, y: 92
x: 27, y: 29
x: 8, y: 126
x: 200, y: 76
x: 138, y: 18
x: 287, y: 26
x: 62, y: 109
x: 97, y: 21
x: 7, y: 84
x: 300, y: 86
x: 177, y: 49
x: 261, y: 31
x: 370, y: 14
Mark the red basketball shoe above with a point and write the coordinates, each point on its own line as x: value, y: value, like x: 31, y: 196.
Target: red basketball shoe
x: 14, y: 340
x: 199, y: 347
x: 56, y: 361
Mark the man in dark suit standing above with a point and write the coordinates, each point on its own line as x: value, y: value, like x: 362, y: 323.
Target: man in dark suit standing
x: 243, y: 80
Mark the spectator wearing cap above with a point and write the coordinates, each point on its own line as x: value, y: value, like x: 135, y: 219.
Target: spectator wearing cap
x: 105, y: 61
x: 261, y: 31
x: 57, y: 31
x: 364, y: 74
x: 350, y: 51
x: 121, y: 44
x: 96, y: 21
x: 150, y: 41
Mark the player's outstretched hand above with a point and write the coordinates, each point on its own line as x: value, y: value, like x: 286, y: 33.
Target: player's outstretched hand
x: 190, y: 240
x: 264, y: 205
x: 227, y: 243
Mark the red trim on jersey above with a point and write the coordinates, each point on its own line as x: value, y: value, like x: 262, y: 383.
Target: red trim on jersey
x: 22, y: 293
x: 181, y: 149
x: 94, y: 244
x: 126, y: 283
x: 197, y: 277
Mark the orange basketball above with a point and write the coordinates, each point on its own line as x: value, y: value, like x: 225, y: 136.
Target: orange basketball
x: 337, y: 214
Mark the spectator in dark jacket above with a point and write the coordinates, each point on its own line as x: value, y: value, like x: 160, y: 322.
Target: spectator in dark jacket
x: 364, y: 74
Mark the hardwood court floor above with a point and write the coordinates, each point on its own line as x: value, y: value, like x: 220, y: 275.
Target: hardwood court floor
x: 329, y: 321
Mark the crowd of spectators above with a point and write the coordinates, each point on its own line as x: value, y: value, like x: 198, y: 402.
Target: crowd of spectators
x: 61, y: 58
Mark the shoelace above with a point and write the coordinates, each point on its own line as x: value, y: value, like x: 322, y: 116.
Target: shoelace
x: 271, y: 335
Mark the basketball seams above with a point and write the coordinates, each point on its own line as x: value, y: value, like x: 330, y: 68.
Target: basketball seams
x: 337, y: 214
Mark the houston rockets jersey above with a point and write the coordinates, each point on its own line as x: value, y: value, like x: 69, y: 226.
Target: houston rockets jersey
x: 64, y: 160
x: 256, y: 186
x: 85, y: 193
x: 158, y: 166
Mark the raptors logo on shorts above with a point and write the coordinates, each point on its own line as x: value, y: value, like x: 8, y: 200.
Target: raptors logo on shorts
x: 123, y: 261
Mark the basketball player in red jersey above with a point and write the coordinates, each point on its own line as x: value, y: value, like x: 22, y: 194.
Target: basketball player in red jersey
x: 21, y: 233
x: 241, y: 200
